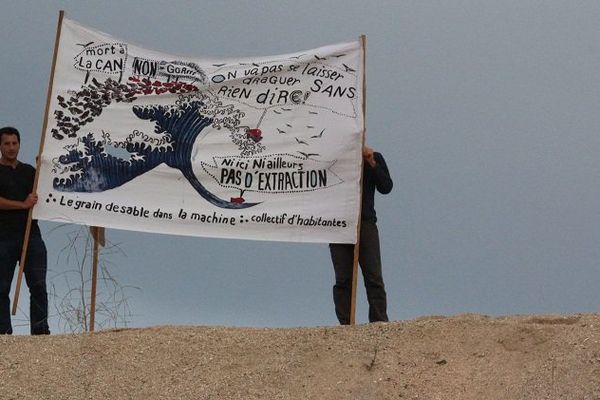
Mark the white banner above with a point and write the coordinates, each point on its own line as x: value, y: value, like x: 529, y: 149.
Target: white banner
x: 264, y: 148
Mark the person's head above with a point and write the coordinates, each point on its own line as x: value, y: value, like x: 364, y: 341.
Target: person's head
x: 10, y: 142
x: 9, y: 130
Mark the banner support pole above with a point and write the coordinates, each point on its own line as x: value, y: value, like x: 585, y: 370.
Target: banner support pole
x: 38, y: 161
x: 97, y: 234
x: 363, y: 44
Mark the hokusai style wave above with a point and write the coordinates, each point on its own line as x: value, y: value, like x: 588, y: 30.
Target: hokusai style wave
x: 92, y: 168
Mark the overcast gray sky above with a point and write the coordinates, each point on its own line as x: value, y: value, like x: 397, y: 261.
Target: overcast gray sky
x: 486, y: 112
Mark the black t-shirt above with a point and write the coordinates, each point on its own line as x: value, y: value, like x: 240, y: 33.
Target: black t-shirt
x: 16, y: 184
x: 374, y: 178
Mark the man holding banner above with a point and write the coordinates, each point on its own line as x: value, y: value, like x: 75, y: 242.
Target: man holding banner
x: 375, y: 176
x: 16, y: 198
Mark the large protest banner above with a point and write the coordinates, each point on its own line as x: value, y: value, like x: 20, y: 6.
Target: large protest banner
x: 264, y: 148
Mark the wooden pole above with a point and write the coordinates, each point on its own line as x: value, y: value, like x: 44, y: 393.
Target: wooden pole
x: 363, y: 44
x: 37, y: 170
x: 99, y: 233
x: 96, y: 233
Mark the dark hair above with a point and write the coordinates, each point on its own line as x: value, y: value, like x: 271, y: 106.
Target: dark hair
x: 9, y: 130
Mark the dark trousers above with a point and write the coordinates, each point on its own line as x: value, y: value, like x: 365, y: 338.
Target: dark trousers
x: 35, y: 276
x: 342, y: 256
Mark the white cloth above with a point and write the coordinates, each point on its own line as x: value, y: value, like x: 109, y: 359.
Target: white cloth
x: 264, y: 148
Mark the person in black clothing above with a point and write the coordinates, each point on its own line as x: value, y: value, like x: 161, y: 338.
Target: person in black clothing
x: 16, y: 198
x: 375, y: 176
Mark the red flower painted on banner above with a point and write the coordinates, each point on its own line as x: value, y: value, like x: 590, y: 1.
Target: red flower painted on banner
x: 254, y: 134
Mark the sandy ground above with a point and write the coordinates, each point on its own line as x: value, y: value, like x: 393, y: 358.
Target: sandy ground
x: 462, y: 357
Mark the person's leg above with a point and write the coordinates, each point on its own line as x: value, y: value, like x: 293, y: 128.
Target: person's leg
x: 370, y: 263
x: 342, y: 256
x: 9, y: 253
x: 35, y: 275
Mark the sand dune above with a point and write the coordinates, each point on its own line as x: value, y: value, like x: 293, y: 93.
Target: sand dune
x: 461, y: 357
